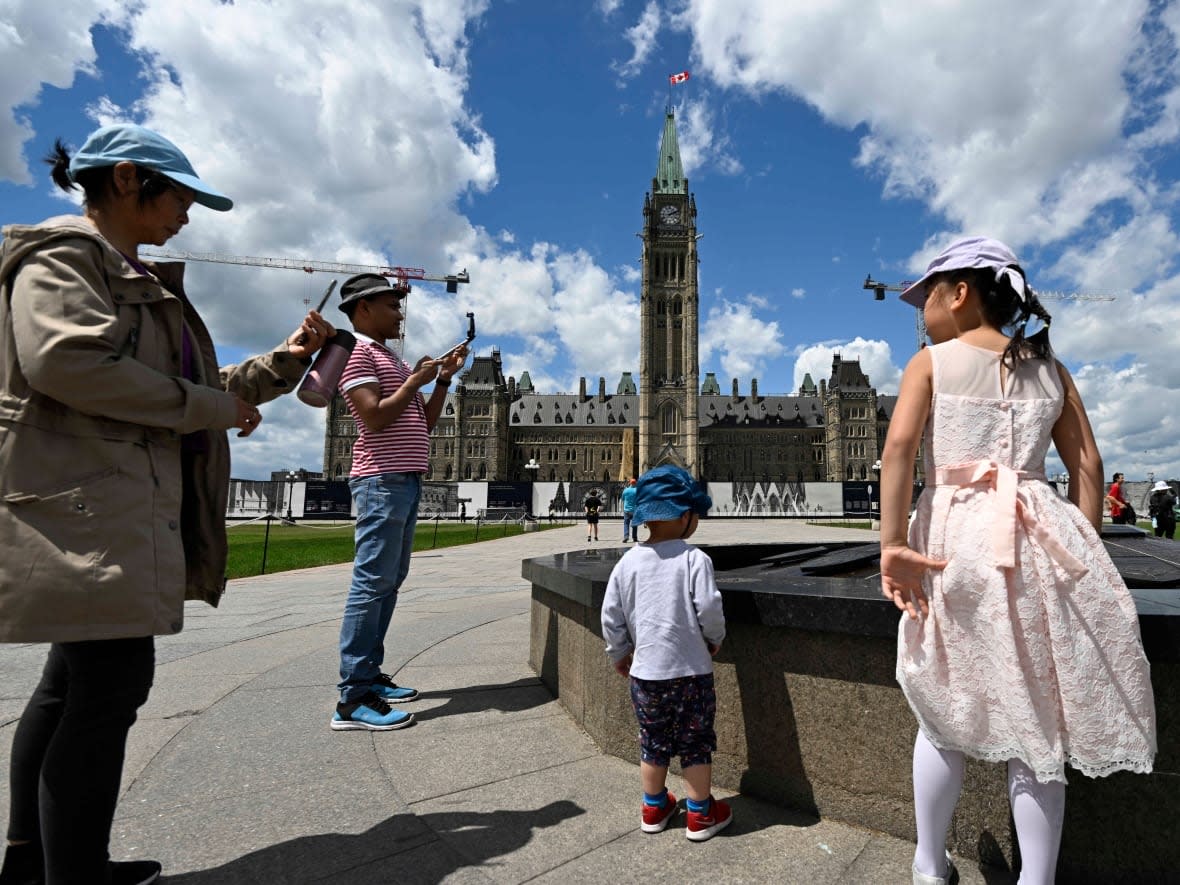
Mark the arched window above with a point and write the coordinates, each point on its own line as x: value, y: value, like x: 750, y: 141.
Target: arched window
x: 467, y: 471
x: 483, y: 471
x: 449, y: 472
x: 671, y: 419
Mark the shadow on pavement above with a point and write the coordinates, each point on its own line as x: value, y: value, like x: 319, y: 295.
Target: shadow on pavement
x: 406, y: 848
x: 751, y: 815
x: 507, y: 697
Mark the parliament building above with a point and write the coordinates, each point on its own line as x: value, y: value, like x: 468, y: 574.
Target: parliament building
x: 497, y: 428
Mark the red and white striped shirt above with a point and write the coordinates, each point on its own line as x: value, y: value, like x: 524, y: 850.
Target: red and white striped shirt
x: 403, y: 446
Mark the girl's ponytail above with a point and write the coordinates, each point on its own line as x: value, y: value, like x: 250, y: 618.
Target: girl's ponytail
x: 1012, y: 303
x: 1037, y: 345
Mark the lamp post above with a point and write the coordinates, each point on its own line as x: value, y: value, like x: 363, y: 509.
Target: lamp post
x: 876, y: 468
x: 291, y: 476
x: 532, y: 467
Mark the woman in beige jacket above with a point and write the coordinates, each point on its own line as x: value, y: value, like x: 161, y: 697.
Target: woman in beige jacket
x: 114, y: 472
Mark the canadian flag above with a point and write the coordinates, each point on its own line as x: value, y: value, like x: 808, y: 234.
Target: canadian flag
x: 678, y: 78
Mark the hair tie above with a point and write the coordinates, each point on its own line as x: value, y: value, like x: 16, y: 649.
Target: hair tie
x: 1015, y: 278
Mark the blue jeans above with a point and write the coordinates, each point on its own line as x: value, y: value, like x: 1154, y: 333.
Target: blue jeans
x: 386, y: 514
x: 628, y: 529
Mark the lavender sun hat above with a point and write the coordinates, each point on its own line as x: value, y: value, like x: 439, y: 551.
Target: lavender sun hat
x: 970, y: 252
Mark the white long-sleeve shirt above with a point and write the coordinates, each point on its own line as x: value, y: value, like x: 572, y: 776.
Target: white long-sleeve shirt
x: 662, y: 606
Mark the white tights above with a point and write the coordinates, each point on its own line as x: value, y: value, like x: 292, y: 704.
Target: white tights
x: 1038, y: 811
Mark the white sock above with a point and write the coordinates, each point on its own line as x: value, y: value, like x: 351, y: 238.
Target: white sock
x: 938, y: 779
x: 1038, y: 811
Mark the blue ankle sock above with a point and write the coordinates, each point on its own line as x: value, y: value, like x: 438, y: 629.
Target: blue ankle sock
x: 658, y: 800
x: 698, y: 807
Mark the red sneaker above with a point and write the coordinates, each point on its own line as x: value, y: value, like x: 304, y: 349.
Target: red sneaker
x: 655, y: 819
x: 705, y: 825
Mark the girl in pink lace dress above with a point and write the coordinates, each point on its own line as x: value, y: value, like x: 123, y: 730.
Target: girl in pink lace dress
x: 1020, y: 642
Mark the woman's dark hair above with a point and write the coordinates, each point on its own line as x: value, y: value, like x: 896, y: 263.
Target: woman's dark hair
x: 96, y: 183
x: 1006, y: 310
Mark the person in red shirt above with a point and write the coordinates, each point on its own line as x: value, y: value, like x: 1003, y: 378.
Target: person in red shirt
x: 1116, y: 499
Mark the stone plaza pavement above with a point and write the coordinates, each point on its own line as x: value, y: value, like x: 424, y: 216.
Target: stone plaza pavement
x: 233, y: 775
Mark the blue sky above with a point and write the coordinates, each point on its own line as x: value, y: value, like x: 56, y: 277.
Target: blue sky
x: 823, y: 142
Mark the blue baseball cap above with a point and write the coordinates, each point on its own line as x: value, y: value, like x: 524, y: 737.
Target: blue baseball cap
x: 667, y: 492
x: 135, y: 144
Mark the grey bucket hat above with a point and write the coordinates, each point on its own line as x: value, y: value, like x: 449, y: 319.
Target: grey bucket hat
x: 364, y: 285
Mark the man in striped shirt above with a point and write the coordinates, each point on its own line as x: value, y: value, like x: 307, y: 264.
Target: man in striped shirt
x: 393, y: 421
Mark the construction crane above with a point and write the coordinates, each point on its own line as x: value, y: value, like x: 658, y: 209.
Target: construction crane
x: 401, y: 276
x: 879, y: 289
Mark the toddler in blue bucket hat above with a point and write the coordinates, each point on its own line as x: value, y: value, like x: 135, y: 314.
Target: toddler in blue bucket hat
x: 667, y: 493
x: 663, y: 623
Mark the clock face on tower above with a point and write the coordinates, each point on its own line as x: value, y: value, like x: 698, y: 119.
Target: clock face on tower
x: 670, y: 215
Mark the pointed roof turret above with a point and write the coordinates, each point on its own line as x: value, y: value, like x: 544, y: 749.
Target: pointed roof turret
x: 670, y: 171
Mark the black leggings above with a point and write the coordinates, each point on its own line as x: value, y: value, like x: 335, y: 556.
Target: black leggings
x: 67, y: 753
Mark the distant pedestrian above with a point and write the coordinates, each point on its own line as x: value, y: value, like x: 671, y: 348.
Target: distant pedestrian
x: 592, y: 505
x: 1121, y: 511
x: 663, y: 623
x: 462, y: 511
x: 630, y: 531
x: 1161, y: 508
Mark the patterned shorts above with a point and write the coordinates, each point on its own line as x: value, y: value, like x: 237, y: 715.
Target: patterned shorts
x: 675, y: 719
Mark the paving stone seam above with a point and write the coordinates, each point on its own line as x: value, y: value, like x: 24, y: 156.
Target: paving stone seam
x: 220, y: 647
x: 451, y: 636
x: 503, y: 780
x: 589, y: 851
x: 559, y: 715
x: 461, y: 592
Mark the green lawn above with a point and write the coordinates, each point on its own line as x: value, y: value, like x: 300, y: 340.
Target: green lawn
x: 303, y: 546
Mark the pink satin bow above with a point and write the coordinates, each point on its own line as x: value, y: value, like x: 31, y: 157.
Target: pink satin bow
x: 1010, y: 508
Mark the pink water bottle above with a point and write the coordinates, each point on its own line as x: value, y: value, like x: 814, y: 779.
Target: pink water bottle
x: 320, y: 383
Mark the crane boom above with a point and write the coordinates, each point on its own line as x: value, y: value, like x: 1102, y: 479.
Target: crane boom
x: 879, y: 289
x: 401, y: 275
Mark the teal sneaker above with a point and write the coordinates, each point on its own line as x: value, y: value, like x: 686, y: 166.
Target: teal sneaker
x: 392, y: 693
x: 370, y: 713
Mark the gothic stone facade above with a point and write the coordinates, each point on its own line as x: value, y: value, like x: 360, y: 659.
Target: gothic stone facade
x: 492, y: 426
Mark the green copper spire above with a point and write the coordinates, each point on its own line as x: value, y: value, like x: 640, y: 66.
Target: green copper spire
x: 670, y: 171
